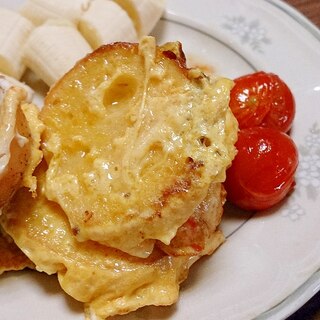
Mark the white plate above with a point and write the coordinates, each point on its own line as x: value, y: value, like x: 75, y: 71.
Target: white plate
x: 270, y: 264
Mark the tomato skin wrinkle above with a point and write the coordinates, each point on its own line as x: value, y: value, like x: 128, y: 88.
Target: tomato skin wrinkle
x: 262, y: 173
x: 262, y: 99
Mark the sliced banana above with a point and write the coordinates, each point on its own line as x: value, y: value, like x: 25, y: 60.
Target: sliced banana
x: 105, y: 22
x: 38, y: 11
x: 15, y: 29
x: 6, y: 82
x: 53, y: 48
x: 144, y: 13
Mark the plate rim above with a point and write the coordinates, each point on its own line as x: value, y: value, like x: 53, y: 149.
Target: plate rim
x: 312, y: 285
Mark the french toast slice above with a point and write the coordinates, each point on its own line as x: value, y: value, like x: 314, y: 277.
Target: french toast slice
x: 108, y: 281
x: 134, y: 140
x: 129, y: 193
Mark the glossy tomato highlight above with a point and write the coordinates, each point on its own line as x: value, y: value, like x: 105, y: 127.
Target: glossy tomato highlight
x: 263, y: 171
x: 262, y: 99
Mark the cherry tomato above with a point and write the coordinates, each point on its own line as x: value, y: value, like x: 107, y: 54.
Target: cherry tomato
x: 262, y: 172
x: 262, y: 99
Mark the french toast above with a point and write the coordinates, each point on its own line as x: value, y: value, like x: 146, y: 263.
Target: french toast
x: 129, y: 192
x: 133, y: 140
x: 107, y: 280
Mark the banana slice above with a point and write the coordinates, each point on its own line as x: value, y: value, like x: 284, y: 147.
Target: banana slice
x: 15, y: 29
x: 105, y: 22
x: 38, y: 11
x: 144, y: 13
x: 53, y: 48
x: 6, y: 82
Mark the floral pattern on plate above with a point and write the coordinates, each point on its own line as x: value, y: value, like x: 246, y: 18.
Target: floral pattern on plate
x: 250, y: 32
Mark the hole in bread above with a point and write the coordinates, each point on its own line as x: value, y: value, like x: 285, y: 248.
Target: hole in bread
x: 205, y: 141
x: 121, y: 89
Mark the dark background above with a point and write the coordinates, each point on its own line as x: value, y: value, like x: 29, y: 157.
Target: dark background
x: 310, y: 8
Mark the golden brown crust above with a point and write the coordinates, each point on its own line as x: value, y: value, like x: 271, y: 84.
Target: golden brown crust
x: 132, y: 47
x: 133, y: 140
x: 170, y: 50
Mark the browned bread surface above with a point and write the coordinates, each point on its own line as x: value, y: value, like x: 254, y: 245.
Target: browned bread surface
x: 133, y: 140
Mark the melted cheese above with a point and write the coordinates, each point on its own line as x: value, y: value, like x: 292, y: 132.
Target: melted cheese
x: 125, y: 132
x: 136, y: 147
x: 107, y: 281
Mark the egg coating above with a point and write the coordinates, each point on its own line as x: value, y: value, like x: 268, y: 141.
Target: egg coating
x: 134, y: 140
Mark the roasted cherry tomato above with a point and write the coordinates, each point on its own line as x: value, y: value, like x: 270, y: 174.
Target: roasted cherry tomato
x: 262, y: 99
x: 262, y: 172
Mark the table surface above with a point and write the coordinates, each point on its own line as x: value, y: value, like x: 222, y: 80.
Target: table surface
x: 311, y: 9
